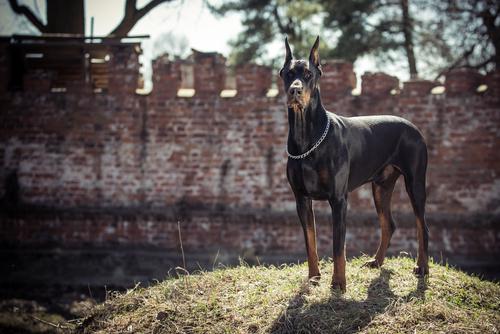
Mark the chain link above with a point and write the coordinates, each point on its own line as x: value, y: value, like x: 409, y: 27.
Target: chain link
x: 323, y: 136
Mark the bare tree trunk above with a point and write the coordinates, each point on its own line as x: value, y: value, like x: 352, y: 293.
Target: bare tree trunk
x: 65, y: 16
x: 408, y: 36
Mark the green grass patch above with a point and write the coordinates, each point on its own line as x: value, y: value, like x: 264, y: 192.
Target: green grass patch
x: 280, y: 300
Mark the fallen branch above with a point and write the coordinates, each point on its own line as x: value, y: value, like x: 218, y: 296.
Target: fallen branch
x: 59, y: 326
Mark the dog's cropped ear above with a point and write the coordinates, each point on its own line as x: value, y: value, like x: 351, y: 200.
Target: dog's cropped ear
x: 288, y: 55
x: 314, y: 56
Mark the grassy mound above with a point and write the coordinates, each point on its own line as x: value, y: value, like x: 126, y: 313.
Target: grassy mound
x: 279, y: 300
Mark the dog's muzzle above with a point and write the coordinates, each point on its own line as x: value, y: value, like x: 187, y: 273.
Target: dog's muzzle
x: 295, y: 94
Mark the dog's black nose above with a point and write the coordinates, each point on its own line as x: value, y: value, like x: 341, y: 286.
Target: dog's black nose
x: 295, y: 91
x: 295, y: 88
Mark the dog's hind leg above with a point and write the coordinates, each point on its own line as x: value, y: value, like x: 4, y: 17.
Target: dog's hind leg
x: 414, y: 167
x: 415, y: 187
x: 382, y: 188
x: 306, y: 216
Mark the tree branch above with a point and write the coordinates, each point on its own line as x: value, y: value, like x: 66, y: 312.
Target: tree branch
x: 457, y: 62
x: 484, y: 63
x: 144, y: 10
x: 23, y: 10
x: 283, y: 29
x: 386, y: 26
x: 133, y: 15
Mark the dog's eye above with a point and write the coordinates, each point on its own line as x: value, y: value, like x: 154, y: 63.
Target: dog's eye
x: 290, y: 75
x: 307, y: 75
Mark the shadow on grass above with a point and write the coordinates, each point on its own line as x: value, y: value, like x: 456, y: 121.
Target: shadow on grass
x: 339, y: 315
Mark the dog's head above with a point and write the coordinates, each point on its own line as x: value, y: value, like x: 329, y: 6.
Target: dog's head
x: 300, y: 77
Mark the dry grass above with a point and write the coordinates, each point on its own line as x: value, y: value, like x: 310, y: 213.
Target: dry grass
x: 278, y: 300
x: 22, y: 317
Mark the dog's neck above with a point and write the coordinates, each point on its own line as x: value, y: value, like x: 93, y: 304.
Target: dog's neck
x: 305, y: 126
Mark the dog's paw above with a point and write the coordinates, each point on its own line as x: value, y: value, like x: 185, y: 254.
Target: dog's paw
x: 314, y: 280
x: 421, y: 271
x: 339, y: 286
x: 371, y: 264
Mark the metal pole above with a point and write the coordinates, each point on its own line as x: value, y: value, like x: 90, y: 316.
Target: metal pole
x: 91, y: 29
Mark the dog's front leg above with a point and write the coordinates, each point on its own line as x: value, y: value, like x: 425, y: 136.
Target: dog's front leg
x: 306, y: 216
x: 339, y: 209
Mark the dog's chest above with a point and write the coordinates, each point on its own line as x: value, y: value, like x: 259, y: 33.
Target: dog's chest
x: 312, y: 180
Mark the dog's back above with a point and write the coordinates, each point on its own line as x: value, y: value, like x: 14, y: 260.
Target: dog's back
x: 374, y: 142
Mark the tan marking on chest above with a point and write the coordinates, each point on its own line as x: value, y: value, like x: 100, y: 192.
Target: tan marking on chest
x: 324, y: 176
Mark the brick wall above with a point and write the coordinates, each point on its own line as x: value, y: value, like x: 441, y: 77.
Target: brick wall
x: 82, y: 160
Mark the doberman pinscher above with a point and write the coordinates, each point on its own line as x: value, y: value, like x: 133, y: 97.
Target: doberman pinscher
x: 331, y: 155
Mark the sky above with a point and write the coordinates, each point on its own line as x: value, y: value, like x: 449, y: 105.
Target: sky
x: 188, y: 19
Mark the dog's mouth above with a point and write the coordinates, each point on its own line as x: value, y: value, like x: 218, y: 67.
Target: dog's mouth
x: 295, y: 102
x: 299, y: 102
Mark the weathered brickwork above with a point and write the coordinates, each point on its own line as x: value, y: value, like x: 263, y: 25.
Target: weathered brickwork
x: 117, y: 151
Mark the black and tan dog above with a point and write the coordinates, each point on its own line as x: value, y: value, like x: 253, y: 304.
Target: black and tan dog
x: 330, y: 155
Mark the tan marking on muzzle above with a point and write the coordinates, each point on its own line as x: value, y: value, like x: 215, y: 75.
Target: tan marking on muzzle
x: 299, y: 104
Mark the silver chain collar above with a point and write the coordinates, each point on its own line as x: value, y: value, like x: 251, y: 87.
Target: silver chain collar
x: 323, y: 136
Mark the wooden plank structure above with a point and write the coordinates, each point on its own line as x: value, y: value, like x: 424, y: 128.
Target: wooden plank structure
x: 63, y: 61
